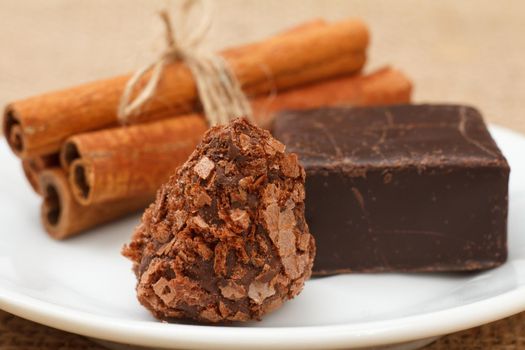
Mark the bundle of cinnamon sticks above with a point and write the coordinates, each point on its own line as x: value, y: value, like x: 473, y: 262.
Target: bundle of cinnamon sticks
x: 89, y: 170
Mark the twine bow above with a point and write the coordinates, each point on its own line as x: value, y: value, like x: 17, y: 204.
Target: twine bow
x: 219, y: 91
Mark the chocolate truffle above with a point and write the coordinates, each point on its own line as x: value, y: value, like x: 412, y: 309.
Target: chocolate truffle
x: 226, y: 238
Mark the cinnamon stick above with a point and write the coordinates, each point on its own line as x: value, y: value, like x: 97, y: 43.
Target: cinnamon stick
x: 39, y: 125
x: 33, y: 166
x: 382, y: 87
x: 129, y: 162
x: 63, y: 217
x: 31, y: 175
x: 134, y: 161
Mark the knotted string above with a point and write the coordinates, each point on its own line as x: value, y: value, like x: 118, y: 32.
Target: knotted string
x: 219, y: 91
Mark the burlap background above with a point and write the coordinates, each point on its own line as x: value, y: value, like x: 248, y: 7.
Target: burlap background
x: 455, y: 51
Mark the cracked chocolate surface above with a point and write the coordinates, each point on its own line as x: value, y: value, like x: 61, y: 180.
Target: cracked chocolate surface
x: 226, y: 238
x: 401, y: 188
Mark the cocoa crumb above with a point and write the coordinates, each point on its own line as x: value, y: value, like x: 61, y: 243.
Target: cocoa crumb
x: 180, y: 218
x: 240, y: 217
x: 290, y: 166
x: 202, y: 199
x: 245, y: 182
x: 221, y: 254
x: 259, y: 291
x: 199, y: 222
x: 204, y: 167
x: 244, y: 140
x: 277, y: 145
x: 233, y: 291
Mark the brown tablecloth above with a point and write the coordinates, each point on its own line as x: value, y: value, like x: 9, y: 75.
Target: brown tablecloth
x: 467, y: 52
x: 20, y: 334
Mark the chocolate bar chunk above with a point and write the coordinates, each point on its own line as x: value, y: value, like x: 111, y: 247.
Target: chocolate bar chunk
x: 400, y: 188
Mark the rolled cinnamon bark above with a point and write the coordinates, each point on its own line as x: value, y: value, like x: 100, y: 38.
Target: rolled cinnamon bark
x: 384, y: 86
x: 31, y: 175
x: 33, y: 166
x: 134, y: 161
x: 63, y: 217
x: 128, y: 162
x: 39, y: 125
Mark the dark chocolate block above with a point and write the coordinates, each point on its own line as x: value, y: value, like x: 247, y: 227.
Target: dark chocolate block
x: 400, y: 188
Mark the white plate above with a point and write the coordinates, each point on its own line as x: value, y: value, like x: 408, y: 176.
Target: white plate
x: 84, y: 286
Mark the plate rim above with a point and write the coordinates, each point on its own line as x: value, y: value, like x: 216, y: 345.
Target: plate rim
x: 174, y: 336
x: 170, y: 336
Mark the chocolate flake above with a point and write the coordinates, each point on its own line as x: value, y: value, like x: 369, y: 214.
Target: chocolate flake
x: 233, y: 291
x: 204, y: 167
x: 240, y: 217
x: 259, y: 291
